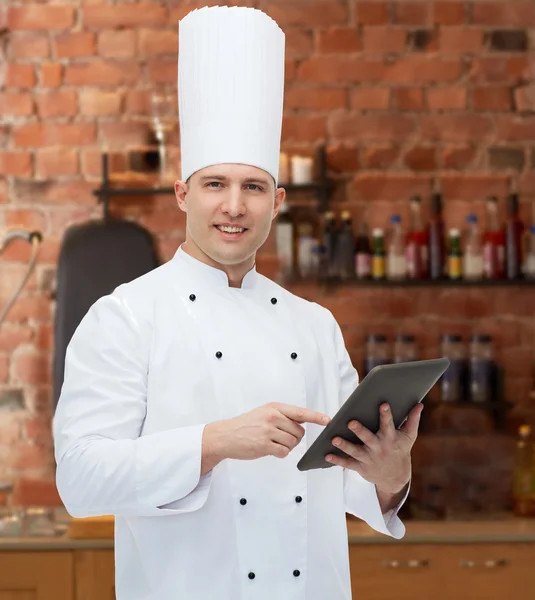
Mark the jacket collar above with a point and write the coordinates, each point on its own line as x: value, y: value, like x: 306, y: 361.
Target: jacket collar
x: 213, y: 276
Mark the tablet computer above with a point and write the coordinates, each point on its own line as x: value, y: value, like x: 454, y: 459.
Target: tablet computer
x: 401, y: 385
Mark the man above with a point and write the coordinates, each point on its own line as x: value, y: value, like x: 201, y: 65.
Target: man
x: 191, y: 393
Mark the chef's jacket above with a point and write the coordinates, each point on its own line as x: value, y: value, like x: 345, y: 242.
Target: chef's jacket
x: 147, y: 368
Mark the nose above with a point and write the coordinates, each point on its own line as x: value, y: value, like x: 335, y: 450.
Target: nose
x: 233, y: 202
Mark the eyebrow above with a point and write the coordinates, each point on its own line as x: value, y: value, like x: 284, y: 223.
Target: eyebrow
x: 258, y: 180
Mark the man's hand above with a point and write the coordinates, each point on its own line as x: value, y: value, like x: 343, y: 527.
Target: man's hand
x: 384, y: 458
x: 270, y: 430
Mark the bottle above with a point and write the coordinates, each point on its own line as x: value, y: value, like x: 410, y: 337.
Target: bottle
x: 493, y: 243
x: 417, y: 243
x: 284, y: 242
x: 305, y: 250
x: 345, y: 248
x: 404, y: 348
x: 363, y: 253
x: 481, y: 371
x: 452, y: 382
x: 376, y: 352
x: 473, y: 255
x: 396, y: 265
x: 378, y: 258
x: 529, y: 262
x: 514, y: 230
x: 437, y: 242
x: 330, y: 235
x: 454, y: 255
x: 524, y: 474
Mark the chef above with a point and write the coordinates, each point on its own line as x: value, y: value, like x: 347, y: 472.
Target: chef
x: 191, y: 393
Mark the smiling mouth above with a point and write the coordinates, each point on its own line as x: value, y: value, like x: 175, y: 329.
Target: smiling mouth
x: 231, y: 230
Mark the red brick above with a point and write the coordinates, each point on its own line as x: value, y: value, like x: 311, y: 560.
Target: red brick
x: 303, y: 129
x: 422, y: 69
x: 341, y: 40
x: 34, y: 135
x: 124, y: 16
x: 290, y: 70
x: 20, y: 75
x: 14, y: 104
x: 31, y: 368
x: 372, y: 13
x: 449, y: 13
x: 14, y: 336
x: 370, y: 98
x: 458, y: 157
x: 295, y: 13
x: 409, y: 98
x: 54, y: 162
x: 124, y: 133
x: 525, y: 98
x: 47, y: 18
x: 299, y: 43
x: 381, y: 186
x: 38, y: 429
x: 4, y: 367
x: 31, y: 457
x: 322, y: 98
x: 370, y: 127
x: 180, y: 9
x: 35, y: 492
x: 154, y: 42
x: 92, y: 163
x: 162, y: 71
x: 138, y: 101
x: 339, y: 69
x: 44, y: 338
x: 382, y: 40
x: 102, y: 73
x: 381, y: 157
x: 15, y: 164
x: 57, y: 104
x: 413, y: 13
x: 51, y: 75
x: 117, y: 44
x: 515, y: 129
x: 473, y: 187
x: 456, y: 40
x: 98, y: 103
x: 462, y: 127
x: 33, y: 219
x: 30, y: 46
x: 493, y: 98
x: 449, y: 98
x: 342, y: 159
x: 517, y: 13
x: 499, y: 69
x: 73, y: 191
x: 421, y: 158
x: 75, y: 45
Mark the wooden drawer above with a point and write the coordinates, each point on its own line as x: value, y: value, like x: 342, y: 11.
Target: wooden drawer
x: 456, y: 571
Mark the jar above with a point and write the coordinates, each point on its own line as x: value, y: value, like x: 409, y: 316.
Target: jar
x: 376, y: 352
x: 404, y: 348
x: 481, y: 374
x: 39, y: 522
x: 452, y: 381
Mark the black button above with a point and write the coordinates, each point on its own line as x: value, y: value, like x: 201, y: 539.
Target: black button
x: 251, y: 575
x: 297, y: 573
x: 243, y: 501
x: 192, y: 297
x: 294, y: 355
x: 298, y: 499
x: 219, y: 354
x: 273, y: 300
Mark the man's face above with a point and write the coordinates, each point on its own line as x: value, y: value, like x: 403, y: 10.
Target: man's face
x: 232, y: 195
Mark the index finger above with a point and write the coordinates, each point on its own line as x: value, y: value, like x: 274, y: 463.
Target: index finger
x: 300, y: 414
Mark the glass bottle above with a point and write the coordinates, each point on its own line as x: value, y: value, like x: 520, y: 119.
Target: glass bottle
x: 481, y: 376
x: 524, y: 474
x: 493, y: 243
x: 345, y: 248
x: 454, y: 255
x: 305, y: 254
x: 529, y: 262
x: 405, y: 348
x: 378, y: 257
x: 473, y: 255
x: 452, y: 381
x: 514, y: 230
x: 284, y: 243
x: 417, y: 243
x: 437, y: 242
x: 396, y: 263
x: 330, y: 235
x: 363, y: 253
x: 376, y: 352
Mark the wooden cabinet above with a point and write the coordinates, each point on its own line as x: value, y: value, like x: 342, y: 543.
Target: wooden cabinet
x: 486, y: 571
x: 94, y: 575
x: 36, y: 575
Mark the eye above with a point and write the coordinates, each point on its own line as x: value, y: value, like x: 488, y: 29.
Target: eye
x: 213, y: 184
x: 254, y: 188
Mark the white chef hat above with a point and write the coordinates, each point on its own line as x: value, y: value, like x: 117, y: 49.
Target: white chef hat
x: 230, y: 88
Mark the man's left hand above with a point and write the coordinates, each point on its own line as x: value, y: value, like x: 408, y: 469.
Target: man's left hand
x: 384, y: 459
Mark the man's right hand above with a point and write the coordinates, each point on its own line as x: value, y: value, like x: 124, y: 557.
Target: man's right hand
x: 271, y: 430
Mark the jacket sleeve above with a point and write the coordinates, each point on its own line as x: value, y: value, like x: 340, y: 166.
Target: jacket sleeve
x: 105, y: 466
x: 360, y: 496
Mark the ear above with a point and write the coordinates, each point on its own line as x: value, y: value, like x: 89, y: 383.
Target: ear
x: 181, y: 191
x: 280, y: 195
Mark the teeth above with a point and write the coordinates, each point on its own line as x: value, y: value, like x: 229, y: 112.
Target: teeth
x: 231, y: 229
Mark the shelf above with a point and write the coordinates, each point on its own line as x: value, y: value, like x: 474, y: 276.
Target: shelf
x: 435, y: 283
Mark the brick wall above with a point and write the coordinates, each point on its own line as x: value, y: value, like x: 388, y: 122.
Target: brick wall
x: 406, y: 95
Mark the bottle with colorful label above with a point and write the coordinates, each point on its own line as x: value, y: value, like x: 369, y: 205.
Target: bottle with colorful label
x: 379, y: 255
x: 455, y: 270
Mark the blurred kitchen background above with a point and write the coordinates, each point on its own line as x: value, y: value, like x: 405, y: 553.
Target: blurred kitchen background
x: 408, y: 154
